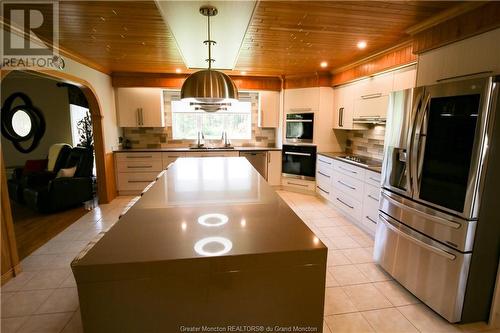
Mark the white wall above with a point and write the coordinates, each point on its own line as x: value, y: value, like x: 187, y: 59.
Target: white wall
x: 51, y: 100
x: 102, y: 86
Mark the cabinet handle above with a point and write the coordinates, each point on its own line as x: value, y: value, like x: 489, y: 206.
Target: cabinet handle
x: 351, y: 171
x: 374, y: 179
x: 372, y: 197
x: 139, y: 166
x: 142, y: 117
x: 370, y: 219
x: 346, y: 185
x: 173, y: 156
x: 138, y: 117
x: 329, y: 163
x: 341, y: 117
x: 141, y: 156
x: 290, y: 183
x: 321, y: 173
x: 371, y: 96
x: 322, y: 190
x: 342, y: 202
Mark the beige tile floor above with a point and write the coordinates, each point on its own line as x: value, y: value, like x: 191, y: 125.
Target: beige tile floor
x: 360, y: 297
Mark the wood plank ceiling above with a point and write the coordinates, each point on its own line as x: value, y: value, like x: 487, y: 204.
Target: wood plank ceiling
x: 284, y: 37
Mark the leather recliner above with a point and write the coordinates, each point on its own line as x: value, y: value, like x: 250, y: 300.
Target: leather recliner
x: 56, y: 194
x: 21, y: 179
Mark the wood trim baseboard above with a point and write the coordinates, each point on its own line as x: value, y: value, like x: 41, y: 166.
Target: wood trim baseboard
x: 14, y: 271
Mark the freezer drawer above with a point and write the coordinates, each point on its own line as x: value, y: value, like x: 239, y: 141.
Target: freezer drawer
x: 445, y: 228
x: 433, y: 272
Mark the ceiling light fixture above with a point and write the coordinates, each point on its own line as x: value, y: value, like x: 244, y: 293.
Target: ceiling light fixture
x: 209, y: 90
x: 361, y: 44
x: 178, y: 70
x: 243, y: 73
x: 323, y: 64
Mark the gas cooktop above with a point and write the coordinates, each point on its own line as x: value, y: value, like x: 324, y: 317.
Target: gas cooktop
x: 365, y: 161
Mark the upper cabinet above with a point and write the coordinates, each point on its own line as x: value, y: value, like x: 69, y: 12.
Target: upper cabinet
x: 140, y: 107
x: 365, y: 101
x: 301, y: 100
x: 478, y: 54
x: 269, y: 109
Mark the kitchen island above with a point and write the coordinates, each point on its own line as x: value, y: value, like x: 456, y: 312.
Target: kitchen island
x: 209, y: 245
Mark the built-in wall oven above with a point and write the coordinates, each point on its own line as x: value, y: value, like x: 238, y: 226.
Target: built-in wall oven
x: 300, y: 127
x: 299, y: 161
x: 438, y: 232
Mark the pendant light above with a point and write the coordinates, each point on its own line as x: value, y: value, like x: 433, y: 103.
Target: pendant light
x: 209, y: 90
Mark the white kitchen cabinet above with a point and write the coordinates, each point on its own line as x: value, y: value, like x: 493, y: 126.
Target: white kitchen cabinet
x: 472, y: 55
x: 298, y: 184
x: 274, y: 167
x: 353, y: 190
x: 343, y: 99
x: 371, y: 107
x: 301, y: 100
x: 405, y: 78
x: 269, y: 109
x: 170, y: 157
x: 375, y: 86
x: 140, y: 107
x: 135, y: 170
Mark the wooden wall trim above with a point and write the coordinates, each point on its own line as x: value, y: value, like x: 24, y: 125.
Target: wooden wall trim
x: 110, y: 175
x: 318, y: 79
x: 175, y: 81
x: 393, y: 58
x: 476, y: 21
x: 9, y: 254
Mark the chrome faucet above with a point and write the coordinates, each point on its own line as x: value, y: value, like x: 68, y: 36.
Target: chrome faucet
x: 225, y: 140
x: 200, y: 142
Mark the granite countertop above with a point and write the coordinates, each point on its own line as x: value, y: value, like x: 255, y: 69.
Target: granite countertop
x: 201, y: 201
x: 187, y: 149
x: 377, y: 167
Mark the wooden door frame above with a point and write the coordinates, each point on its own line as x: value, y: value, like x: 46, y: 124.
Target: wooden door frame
x: 105, y: 190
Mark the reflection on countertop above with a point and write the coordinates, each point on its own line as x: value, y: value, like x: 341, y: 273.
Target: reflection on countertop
x: 361, y: 161
x: 188, y: 149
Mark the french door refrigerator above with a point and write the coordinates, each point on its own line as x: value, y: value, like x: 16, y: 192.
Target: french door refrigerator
x: 439, y: 214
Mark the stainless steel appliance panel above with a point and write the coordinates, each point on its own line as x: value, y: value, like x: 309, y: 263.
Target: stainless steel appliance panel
x: 435, y: 273
x: 448, y: 145
x: 402, y: 110
x: 445, y: 228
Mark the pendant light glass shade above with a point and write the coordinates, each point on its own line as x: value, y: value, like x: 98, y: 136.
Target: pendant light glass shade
x: 209, y: 86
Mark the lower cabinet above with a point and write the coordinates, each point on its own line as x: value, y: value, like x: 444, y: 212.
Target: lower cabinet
x: 298, y: 184
x: 353, y: 190
x: 135, y: 170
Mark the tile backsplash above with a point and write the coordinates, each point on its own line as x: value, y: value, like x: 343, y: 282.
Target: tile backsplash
x: 368, y: 143
x: 161, y: 137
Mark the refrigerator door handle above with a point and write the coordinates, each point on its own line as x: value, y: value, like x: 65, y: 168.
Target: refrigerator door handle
x: 431, y: 217
x: 417, y: 241
x: 409, y: 143
x: 415, y: 154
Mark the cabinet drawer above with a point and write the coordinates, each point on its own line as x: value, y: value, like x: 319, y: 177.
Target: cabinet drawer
x: 372, y: 178
x: 323, y: 179
x: 372, y: 195
x: 347, y: 204
x: 324, y: 190
x: 137, y: 156
x: 150, y: 165
x: 352, y: 186
x: 299, y: 184
x: 370, y: 217
x: 324, y: 162
x: 135, y: 181
x: 170, y: 157
x: 349, y: 169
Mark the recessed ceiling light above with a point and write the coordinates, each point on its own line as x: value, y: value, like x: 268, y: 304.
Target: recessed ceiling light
x: 361, y: 44
x: 178, y: 70
x: 323, y: 64
x: 243, y: 73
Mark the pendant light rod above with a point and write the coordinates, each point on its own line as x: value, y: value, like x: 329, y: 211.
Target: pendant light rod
x: 209, y: 11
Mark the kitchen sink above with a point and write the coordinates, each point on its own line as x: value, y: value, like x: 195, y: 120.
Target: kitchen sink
x: 211, y: 148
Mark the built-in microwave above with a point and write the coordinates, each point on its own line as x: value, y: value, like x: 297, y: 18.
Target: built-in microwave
x: 300, y: 127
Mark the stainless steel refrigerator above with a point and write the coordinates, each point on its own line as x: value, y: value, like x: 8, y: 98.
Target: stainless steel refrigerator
x: 439, y: 215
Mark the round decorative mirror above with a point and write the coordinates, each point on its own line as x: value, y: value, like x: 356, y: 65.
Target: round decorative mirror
x: 21, y: 123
